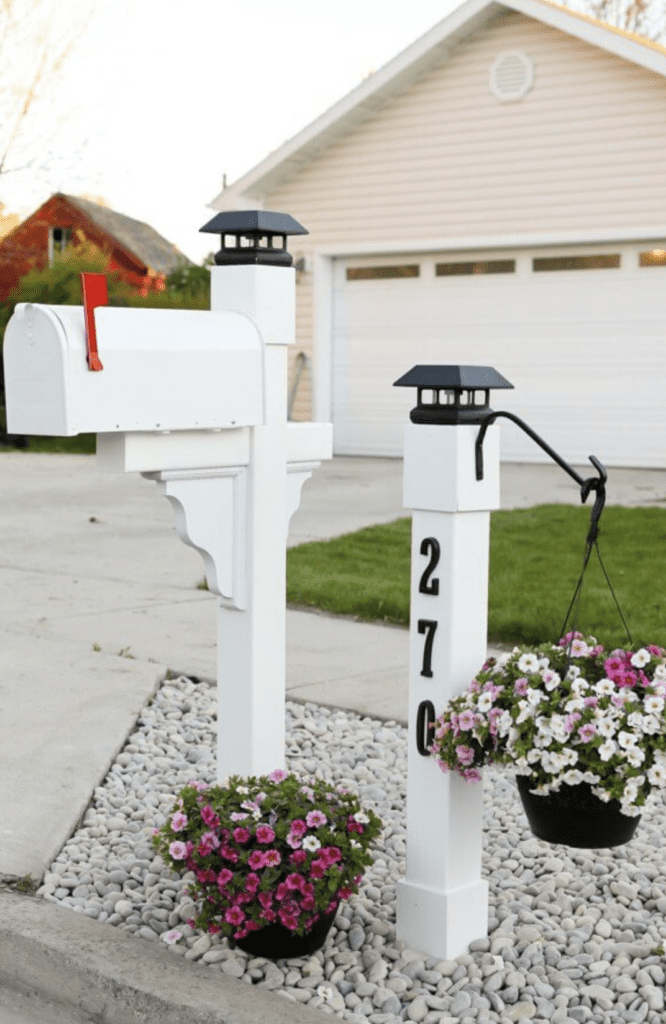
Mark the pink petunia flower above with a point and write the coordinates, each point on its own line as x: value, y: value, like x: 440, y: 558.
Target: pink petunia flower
x: 278, y: 775
x: 272, y: 858
x: 257, y: 860
x: 472, y: 775
x: 265, y: 834
x: 294, y: 841
x: 178, y: 850
x: 317, y: 869
x: 466, y: 720
x: 465, y: 755
x: 252, y: 882
x: 314, y: 819
x: 298, y: 857
x: 209, y: 816
x: 234, y: 915
x: 294, y: 881
x: 298, y: 827
x: 179, y: 821
x: 242, y: 835
x: 224, y: 877
x: 586, y: 732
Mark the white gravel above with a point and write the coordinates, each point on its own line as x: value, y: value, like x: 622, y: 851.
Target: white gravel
x: 571, y: 932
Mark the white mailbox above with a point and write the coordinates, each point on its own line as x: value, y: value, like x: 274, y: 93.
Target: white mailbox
x: 197, y: 402
x: 163, y: 369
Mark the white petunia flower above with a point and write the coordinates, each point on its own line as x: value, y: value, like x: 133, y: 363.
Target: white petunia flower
x: 635, y: 720
x: 660, y: 671
x: 573, y: 672
x: 528, y: 663
x: 657, y: 775
x: 573, y: 777
x: 605, y: 687
x: 311, y: 843
x: 551, y: 679
x: 485, y: 702
x: 535, y: 697
x: 641, y: 658
x: 525, y: 712
x: 635, y: 757
x: 651, y: 725
x: 654, y: 705
x: 606, y: 727
x: 607, y: 749
x: 626, y: 740
x: 575, y: 704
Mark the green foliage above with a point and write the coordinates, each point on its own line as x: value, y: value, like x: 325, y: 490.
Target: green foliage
x: 191, y: 282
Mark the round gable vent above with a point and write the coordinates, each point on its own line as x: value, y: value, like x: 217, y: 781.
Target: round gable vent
x: 511, y: 76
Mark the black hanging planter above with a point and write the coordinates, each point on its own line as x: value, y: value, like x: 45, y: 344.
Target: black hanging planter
x: 275, y: 942
x: 574, y: 816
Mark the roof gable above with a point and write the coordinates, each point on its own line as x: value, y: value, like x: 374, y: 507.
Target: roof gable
x: 417, y: 60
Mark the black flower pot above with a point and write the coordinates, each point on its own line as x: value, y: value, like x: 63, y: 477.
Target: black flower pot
x: 575, y: 817
x: 276, y: 942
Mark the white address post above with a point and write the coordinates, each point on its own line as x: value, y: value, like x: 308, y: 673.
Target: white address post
x: 196, y: 400
x: 442, y: 903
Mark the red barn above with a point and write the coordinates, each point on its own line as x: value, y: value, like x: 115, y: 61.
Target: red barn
x: 140, y: 256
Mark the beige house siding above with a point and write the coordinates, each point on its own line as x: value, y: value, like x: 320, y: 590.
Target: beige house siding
x: 583, y: 150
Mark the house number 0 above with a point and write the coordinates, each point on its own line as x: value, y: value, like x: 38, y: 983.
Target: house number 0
x: 425, y: 717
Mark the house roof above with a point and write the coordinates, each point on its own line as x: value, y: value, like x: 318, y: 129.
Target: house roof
x: 411, y: 64
x: 139, y: 238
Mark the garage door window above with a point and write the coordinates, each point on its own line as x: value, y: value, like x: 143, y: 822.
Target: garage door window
x: 653, y: 258
x: 605, y: 262
x: 380, y: 273
x: 459, y: 269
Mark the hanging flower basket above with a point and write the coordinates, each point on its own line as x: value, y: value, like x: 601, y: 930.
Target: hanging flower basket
x: 574, y: 816
x: 584, y: 729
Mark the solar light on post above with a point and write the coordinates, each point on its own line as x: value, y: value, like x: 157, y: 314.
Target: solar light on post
x: 442, y: 903
x: 195, y: 400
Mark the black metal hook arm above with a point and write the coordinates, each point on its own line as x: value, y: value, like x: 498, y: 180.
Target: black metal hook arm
x: 597, y: 484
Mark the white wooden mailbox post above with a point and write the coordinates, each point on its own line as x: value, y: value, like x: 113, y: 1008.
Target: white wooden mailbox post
x: 442, y: 903
x: 196, y: 400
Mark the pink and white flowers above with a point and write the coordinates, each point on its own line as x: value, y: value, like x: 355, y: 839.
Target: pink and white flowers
x: 267, y: 850
x: 565, y: 714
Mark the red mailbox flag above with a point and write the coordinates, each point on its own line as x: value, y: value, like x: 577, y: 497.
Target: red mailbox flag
x: 95, y: 293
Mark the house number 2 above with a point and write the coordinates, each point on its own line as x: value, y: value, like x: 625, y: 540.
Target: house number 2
x: 425, y: 718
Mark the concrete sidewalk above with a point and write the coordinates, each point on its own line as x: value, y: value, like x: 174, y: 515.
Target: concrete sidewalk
x: 98, y: 598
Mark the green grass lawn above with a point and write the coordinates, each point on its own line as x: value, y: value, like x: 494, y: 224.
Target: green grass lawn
x: 535, y: 560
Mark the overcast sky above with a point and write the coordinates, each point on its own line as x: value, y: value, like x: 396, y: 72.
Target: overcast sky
x: 163, y: 97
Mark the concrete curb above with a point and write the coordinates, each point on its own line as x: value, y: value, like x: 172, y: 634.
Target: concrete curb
x: 118, y: 978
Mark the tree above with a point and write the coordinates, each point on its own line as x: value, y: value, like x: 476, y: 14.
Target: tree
x: 645, y: 18
x: 36, y: 38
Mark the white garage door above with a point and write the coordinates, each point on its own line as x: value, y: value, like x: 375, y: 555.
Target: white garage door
x: 579, y: 332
